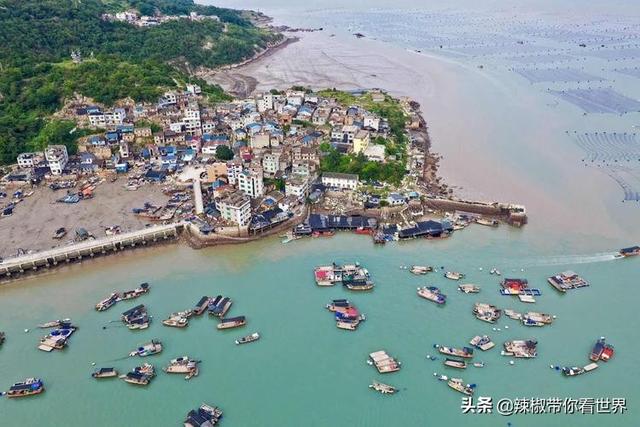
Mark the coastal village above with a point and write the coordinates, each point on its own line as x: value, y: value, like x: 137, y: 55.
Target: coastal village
x: 242, y: 169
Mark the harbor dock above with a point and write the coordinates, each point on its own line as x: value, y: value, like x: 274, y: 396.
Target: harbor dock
x: 16, y: 267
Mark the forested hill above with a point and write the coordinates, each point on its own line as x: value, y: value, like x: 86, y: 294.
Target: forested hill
x: 37, y: 38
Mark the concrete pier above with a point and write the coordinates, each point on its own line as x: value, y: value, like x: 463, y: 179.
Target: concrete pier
x: 15, y: 267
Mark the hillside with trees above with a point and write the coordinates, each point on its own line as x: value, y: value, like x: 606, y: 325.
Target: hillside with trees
x: 119, y: 59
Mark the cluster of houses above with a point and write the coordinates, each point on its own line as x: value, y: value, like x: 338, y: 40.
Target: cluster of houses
x: 134, y: 17
x: 272, y: 141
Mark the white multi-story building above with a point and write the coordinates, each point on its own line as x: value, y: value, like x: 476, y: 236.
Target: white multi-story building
x: 297, y: 187
x: 235, y: 207
x: 271, y: 163
x: 29, y: 160
x: 233, y: 170
x: 344, y: 181
x: 194, y: 89
x: 57, y: 158
x: 264, y: 102
x: 372, y: 122
x: 250, y: 183
x: 103, y: 119
x: 191, y: 120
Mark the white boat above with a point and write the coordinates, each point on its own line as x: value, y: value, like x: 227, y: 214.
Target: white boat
x: 249, y: 338
x: 148, y: 349
x: 53, y: 323
x: 458, y: 385
x: 453, y: 275
x: 382, y: 388
x: 420, y: 269
x: 469, y: 288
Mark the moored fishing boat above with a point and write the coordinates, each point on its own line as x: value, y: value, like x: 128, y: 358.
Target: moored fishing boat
x: 597, y: 350
x: 2, y: 337
x: 432, y: 293
x: 249, y: 338
x: 536, y: 319
x: 53, y: 323
x: 57, y: 339
x: 486, y: 312
x: 176, y: 320
x: 521, y: 348
x: 453, y: 275
x: 108, y: 302
x: 147, y: 349
x: 382, y: 388
x: 420, y: 269
x: 183, y: 365
x: 469, y: 288
x: 487, y: 222
x: 573, y: 371
x: 232, y: 322
x: 465, y: 352
x: 105, y: 373
x: 202, y: 305
x: 607, y: 353
x: 483, y: 342
x: 458, y: 385
x: 453, y: 363
x: 204, y: 416
x: 28, y: 387
x: 383, y: 362
x: 338, y: 305
x: 136, y: 317
x: 567, y: 280
x: 141, y: 375
x: 135, y: 293
x: 220, y: 306
x: 325, y: 275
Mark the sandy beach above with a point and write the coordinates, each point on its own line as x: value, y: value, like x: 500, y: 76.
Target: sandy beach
x: 37, y: 217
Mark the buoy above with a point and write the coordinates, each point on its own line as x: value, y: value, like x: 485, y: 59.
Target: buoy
x: 93, y: 363
x: 26, y: 330
x: 498, y: 329
x: 511, y: 362
x: 551, y: 366
x: 480, y: 269
x: 494, y: 329
x: 506, y: 327
x: 435, y: 374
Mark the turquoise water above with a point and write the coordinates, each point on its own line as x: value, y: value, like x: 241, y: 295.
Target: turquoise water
x: 304, y: 371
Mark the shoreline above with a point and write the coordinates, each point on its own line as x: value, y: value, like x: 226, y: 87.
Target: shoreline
x: 240, y: 85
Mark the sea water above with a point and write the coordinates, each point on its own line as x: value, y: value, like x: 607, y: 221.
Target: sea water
x: 305, y: 371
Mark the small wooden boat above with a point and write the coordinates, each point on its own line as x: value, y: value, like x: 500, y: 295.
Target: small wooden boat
x: 465, y: 352
x: 453, y: 363
x: 420, y: 269
x: 108, y: 302
x: 232, y: 322
x: 2, y: 337
x: 176, y: 320
x: 141, y: 375
x: 60, y: 233
x: 28, y: 387
x: 249, y: 338
x: 432, y: 293
x: 148, y: 349
x: 452, y: 275
x: 105, y: 373
x: 382, y: 388
x: 469, y: 288
x: 141, y: 290
x: 458, y: 385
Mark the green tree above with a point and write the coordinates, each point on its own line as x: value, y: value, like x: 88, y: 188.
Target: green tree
x: 223, y: 152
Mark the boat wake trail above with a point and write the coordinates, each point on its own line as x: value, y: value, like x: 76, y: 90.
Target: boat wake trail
x: 571, y: 259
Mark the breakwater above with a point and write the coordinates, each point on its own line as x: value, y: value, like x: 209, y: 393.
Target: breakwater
x: 18, y: 266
